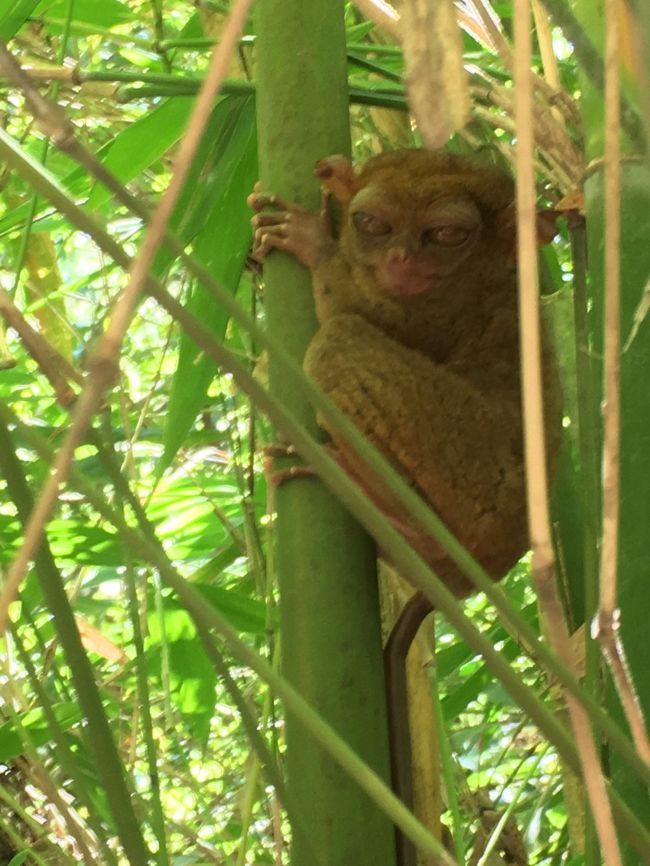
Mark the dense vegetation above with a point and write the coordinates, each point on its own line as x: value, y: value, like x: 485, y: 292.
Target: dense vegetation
x: 141, y: 717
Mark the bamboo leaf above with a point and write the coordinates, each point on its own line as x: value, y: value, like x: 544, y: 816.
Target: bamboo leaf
x: 108, y: 13
x: 192, y: 676
x: 221, y: 243
x: 13, y: 14
x: 141, y: 144
x: 34, y: 724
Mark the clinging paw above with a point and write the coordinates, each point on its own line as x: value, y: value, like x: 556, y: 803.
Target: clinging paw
x: 288, y: 227
x: 276, y: 477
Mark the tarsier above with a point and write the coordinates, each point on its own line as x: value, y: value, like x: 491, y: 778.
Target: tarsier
x: 419, y: 345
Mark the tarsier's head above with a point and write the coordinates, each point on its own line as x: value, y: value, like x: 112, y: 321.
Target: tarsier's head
x: 412, y: 219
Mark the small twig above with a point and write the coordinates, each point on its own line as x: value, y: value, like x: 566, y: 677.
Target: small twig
x: 642, y: 310
x: 552, y: 111
x: 103, y: 365
x: 535, y: 450
x: 565, y: 167
x: 606, y: 625
x: 476, y: 22
x: 474, y: 27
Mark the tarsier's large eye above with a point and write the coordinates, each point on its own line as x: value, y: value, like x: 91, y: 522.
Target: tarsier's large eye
x: 446, y: 236
x: 369, y: 224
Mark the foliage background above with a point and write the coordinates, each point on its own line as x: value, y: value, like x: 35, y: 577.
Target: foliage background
x: 175, y: 454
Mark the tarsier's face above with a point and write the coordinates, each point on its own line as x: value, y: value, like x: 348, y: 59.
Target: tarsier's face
x: 411, y: 247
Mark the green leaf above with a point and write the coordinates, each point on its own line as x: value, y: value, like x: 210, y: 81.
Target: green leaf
x: 192, y: 677
x: 71, y: 541
x: 465, y: 693
x: 135, y: 149
x: 193, y: 28
x: 185, y: 521
x: 76, y: 542
x: 193, y: 682
x: 222, y: 245
x: 34, y: 724
x: 13, y: 15
x: 245, y: 613
x: 108, y: 13
x: 142, y: 143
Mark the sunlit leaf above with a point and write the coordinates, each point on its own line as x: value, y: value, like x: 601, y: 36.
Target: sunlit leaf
x: 13, y: 14
x: 34, y: 724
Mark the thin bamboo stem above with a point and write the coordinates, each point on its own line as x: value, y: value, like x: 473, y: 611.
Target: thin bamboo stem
x: 535, y: 450
x: 606, y: 627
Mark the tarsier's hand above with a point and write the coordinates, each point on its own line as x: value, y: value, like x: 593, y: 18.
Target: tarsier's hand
x: 289, y: 227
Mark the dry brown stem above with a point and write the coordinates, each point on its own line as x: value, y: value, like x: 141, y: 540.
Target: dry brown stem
x: 537, y: 492
x: 606, y: 625
x: 545, y: 42
x: 433, y: 57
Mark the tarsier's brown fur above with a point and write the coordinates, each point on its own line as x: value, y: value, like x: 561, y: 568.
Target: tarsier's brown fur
x: 419, y: 339
x: 431, y: 377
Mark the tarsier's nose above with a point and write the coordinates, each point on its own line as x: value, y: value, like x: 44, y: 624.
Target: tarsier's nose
x: 399, y: 254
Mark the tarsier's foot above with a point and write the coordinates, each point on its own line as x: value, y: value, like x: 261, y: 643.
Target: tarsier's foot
x: 289, y: 227
x: 276, y: 477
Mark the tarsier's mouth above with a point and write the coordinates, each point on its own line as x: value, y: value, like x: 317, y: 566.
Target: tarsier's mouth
x: 408, y: 289
x: 403, y: 279
x: 408, y: 282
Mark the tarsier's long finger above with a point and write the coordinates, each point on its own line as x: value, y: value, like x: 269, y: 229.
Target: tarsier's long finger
x: 279, y: 476
x: 267, y: 239
x: 259, y: 201
x: 270, y: 218
x: 279, y: 224
x: 324, y: 209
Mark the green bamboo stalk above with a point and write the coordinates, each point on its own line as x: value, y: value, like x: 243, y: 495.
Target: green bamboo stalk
x: 326, y: 563
x: 378, y: 97
x: 157, y: 819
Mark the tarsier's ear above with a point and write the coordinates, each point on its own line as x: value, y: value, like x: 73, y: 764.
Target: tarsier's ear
x: 336, y: 174
x: 507, y: 226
